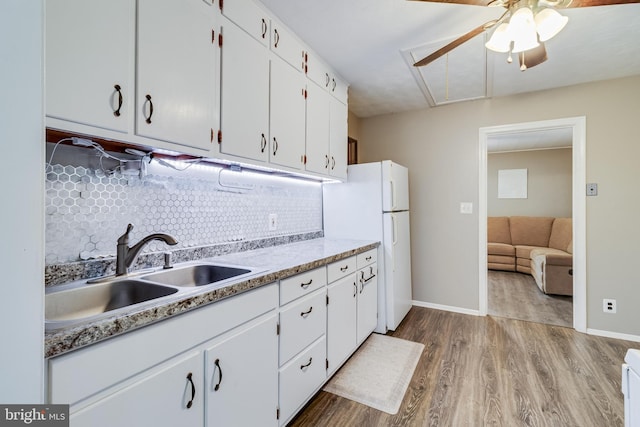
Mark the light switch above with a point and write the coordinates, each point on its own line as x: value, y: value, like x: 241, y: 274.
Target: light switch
x: 466, y: 207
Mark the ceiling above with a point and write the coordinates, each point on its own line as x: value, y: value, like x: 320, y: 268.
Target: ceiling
x: 372, y: 43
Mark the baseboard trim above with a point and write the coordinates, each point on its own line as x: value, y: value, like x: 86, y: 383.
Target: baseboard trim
x: 446, y: 308
x: 616, y: 335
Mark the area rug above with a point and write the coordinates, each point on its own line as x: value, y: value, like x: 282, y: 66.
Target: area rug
x: 378, y: 374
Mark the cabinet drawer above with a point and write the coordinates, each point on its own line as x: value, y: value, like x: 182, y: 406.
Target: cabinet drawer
x: 301, y: 324
x: 367, y: 258
x: 341, y: 268
x: 300, y: 378
x: 302, y: 284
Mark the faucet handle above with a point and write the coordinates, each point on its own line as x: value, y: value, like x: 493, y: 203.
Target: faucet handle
x: 124, y: 239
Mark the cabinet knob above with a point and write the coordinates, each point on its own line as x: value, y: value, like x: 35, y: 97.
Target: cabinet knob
x: 264, y: 28
x: 148, y: 118
x: 193, y: 390
x: 306, y: 365
x: 216, y: 366
x: 263, y: 143
x: 117, y: 110
x: 276, y: 37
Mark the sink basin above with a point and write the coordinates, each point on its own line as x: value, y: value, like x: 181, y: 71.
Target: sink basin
x: 196, y: 275
x: 91, y: 300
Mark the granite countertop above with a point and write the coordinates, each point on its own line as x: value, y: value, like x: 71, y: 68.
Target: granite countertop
x: 274, y: 263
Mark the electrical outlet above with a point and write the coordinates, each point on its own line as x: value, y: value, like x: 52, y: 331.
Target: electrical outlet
x: 273, y: 222
x: 609, y: 306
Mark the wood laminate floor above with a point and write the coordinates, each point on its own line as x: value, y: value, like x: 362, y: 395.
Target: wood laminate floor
x: 516, y: 296
x: 491, y: 371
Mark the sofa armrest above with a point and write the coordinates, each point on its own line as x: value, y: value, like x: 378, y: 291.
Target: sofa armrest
x: 561, y: 260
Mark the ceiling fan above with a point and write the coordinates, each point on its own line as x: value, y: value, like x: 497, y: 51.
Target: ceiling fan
x: 522, y: 29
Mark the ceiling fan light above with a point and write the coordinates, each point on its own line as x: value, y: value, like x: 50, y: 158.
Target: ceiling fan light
x: 549, y: 23
x: 525, y: 42
x: 522, y: 30
x: 500, y: 40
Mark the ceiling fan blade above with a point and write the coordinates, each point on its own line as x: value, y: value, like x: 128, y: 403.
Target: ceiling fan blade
x: 454, y: 44
x: 590, y: 3
x: 469, y: 2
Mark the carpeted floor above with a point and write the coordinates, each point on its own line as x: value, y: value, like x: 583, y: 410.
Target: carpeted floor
x: 516, y: 296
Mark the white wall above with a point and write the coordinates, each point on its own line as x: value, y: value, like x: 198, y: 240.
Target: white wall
x: 440, y: 147
x: 22, y: 229
x: 548, y: 183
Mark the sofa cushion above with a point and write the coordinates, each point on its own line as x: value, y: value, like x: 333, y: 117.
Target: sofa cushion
x: 501, y: 249
x: 501, y: 267
x: 561, y: 234
x: 530, y: 230
x: 523, y: 251
x: 498, y: 229
x: 547, y: 252
x: 501, y: 259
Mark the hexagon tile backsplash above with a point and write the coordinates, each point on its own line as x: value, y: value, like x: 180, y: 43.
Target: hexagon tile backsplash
x: 87, y: 209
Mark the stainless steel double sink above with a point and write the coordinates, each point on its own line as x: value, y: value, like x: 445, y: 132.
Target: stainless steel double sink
x: 84, y: 302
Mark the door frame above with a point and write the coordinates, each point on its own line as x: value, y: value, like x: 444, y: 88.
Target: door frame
x: 578, y: 126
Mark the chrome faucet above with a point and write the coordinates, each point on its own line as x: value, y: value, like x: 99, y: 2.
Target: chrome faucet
x: 127, y: 255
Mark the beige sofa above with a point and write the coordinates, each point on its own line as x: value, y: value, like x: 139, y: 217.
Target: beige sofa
x: 540, y: 246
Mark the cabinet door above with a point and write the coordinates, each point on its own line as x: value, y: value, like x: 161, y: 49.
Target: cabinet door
x: 242, y: 377
x: 287, y: 46
x: 169, y: 396
x: 367, y: 301
x: 341, y: 321
x: 287, y: 131
x: 317, y: 71
x: 176, y: 81
x: 317, y: 140
x: 245, y: 95
x: 247, y: 15
x: 338, y: 139
x: 90, y: 62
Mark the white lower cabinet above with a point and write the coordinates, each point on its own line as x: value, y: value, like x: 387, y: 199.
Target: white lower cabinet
x: 254, y: 359
x: 341, y: 321
x: 301, y: 377
x: 242, y: 377
x: 156, y: 376
x: 170, y: 395
x: 367, y: 301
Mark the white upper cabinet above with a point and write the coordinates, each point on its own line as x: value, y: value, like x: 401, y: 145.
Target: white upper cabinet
x: 287, y: 46
x: 338, y: 139
x: 244, y: 96
x: 318, y: 130
x: 176, y: 88
x: 90, y: 59
x: 326, y: 133
x: 100, y: 55
x: 249, y: 16
x: 287, y: 136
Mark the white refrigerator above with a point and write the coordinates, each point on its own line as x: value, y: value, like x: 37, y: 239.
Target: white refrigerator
x: 374, y: 205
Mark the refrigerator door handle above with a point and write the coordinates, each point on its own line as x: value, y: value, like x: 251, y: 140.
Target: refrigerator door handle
x: 394, y: 202
x: 394, y: 240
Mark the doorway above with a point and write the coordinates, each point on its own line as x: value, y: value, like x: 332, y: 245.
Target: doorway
x: 577, y: 125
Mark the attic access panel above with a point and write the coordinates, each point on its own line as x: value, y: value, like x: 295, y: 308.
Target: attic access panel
x: 460, y: 75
